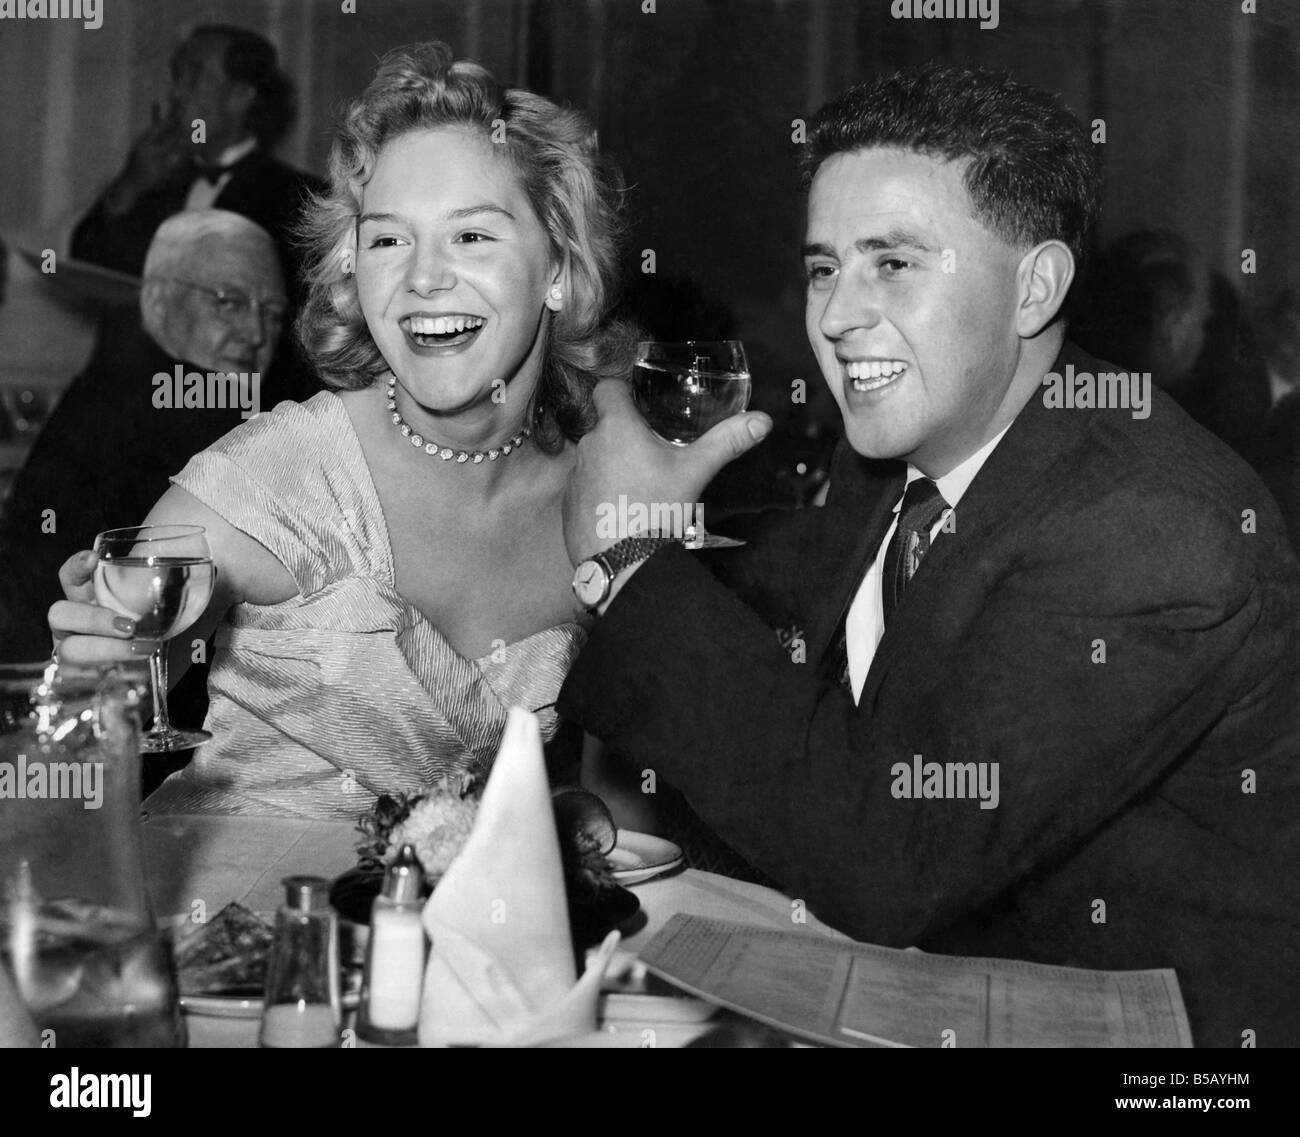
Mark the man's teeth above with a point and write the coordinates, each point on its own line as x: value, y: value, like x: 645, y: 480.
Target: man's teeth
x: 443, y: 325
x: 868, y: 374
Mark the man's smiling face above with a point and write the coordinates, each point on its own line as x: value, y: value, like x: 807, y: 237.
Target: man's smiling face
x: 911, y: 307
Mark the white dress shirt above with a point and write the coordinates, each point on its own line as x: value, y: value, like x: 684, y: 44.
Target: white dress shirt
x: 203, y: 192
x: 1279, y: 387
x: 865, y: 623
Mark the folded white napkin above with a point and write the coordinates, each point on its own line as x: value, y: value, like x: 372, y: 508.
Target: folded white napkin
x: 16, y: 1026
x: 501, y: 970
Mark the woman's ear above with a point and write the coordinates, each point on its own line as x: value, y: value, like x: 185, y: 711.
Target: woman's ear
x: 558, y: 293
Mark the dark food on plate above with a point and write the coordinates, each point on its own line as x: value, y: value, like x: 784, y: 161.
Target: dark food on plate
x: 227, y: 955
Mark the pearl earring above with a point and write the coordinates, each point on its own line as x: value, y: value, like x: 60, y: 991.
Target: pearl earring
x: 555, y: 292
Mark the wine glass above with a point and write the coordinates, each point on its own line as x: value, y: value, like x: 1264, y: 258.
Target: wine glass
x: 161, y: 577
x: 684, y: 389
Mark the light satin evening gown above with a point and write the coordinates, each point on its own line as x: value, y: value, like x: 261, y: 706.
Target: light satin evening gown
x: 346, y: 691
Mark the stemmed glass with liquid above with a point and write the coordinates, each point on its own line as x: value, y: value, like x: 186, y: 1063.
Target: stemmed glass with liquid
x: 683, y: 389
x: 161, y: 577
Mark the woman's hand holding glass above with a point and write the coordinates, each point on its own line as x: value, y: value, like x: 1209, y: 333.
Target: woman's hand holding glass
x: 149, y: 582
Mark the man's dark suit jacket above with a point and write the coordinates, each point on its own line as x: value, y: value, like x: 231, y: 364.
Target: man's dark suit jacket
x: 1120, y: 781
x: 261, y: 188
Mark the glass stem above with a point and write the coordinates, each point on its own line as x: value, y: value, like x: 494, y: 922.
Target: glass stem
x: 158, y: 672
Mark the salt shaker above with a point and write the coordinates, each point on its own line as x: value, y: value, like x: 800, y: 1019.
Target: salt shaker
x: 395, y: 957
x: 303, y: 1007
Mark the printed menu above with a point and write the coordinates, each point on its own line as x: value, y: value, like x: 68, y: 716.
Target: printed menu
x: 843, y: 993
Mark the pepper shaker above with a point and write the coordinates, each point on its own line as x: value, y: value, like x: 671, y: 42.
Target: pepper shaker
x: 303, y: 1006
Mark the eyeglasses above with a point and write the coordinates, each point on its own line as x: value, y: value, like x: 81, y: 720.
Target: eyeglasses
x: 233, y: 305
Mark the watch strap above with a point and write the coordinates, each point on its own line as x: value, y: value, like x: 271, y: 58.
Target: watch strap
x: 631, y: 550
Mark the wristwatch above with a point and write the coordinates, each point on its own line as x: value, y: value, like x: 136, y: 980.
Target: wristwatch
x: 594, y: 576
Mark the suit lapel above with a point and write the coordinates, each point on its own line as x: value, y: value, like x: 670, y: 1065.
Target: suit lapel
x: 1007, y: 485
x: 861, y: 509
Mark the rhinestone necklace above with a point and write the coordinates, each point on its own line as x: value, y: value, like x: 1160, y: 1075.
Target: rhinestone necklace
x: 446, y: 453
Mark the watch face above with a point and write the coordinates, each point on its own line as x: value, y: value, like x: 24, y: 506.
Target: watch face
x: 590, y: 583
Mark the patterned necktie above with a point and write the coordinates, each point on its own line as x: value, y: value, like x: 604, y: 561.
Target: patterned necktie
x: 922, y: 506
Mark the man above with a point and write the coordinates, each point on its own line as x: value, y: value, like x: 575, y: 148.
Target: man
x: 213, y: 301
x: 1148, y: 305
x: 1282, y: 346
x: 229, y: 78
x: 1095, y: 648
x: 1156, y: 306
x: 1279, y: 451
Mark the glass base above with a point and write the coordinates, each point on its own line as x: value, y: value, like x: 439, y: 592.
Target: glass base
x: 697, y: 537
x: 167, y: 741
x: 716, y: 541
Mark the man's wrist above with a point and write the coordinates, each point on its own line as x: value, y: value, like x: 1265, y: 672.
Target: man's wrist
x: 616, y: 586
x: 598, y: 576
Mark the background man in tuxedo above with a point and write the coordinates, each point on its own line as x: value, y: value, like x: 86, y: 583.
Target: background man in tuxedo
x: 213, y: 300
x: 229, y: 78
x: 1105, y: 622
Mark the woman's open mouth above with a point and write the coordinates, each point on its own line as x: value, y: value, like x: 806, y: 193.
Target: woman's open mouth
x: 425, y: 332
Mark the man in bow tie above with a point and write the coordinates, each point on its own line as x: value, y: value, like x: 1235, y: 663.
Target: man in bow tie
x: 229, y: 80
x: 1046, y: 702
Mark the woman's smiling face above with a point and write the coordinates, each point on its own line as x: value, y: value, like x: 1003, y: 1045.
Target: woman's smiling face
x: 453, y: 270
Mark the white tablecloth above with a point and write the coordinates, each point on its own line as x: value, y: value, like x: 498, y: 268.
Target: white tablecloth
x: 214, y: 859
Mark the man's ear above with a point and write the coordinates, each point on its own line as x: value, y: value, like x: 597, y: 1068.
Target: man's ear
x: 153, y: 307
x: 1044, y: 278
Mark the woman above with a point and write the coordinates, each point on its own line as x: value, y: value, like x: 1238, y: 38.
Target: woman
x: 390, y: 559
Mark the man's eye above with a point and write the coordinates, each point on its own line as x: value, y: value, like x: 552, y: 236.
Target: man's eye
x: 818, y: 272
x: 473, y: 238
x: 892, y: 266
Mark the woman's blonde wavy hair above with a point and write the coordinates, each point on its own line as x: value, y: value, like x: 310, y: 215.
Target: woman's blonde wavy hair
x: 573, y: 192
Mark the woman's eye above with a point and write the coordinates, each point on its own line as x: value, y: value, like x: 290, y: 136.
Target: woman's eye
x: 383, y: 242
x: 473, y: 238
x: 819, y: 272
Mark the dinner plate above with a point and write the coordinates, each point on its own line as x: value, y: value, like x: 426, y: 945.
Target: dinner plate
x: 243, y: 1006
x: 248, y: 1005
x: 639, y: 856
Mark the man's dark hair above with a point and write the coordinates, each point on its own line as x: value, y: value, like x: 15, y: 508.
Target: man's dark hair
x: 1032, y: 175
x: 248, y: 58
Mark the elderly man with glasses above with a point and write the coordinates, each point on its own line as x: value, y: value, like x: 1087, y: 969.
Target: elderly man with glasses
x: 187, y: 368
